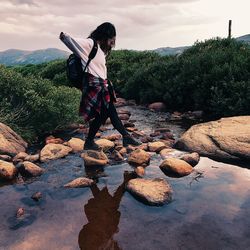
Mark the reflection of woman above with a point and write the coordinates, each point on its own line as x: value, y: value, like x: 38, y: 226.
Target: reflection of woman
x: 97, y: 101
x: 103, y: 216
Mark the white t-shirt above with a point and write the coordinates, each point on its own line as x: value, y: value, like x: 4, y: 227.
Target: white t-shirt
x: 82, y: 48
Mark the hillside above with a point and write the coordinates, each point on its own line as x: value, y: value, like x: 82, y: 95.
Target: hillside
x: 21, y: 57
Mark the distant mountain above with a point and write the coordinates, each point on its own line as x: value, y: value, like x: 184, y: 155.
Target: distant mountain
x: 18, y: 57
x: 178, y: 50
x: 245, y: 38
x: 170, y: 51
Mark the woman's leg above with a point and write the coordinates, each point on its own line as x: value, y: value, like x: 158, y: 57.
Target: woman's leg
x: 118, y: 125
x: 116, y: 121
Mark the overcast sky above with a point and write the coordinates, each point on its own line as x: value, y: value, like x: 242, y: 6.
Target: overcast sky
x: 148, y: 24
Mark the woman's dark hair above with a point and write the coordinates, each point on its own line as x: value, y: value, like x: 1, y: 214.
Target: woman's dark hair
x: 103, y: 32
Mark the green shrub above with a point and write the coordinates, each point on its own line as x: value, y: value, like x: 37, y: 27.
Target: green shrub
x: 34, y: 106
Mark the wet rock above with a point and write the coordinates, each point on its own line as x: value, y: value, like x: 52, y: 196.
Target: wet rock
x: 79, y: 183
x: 94, y: 158
x: 124, y: 116
x: 54, y: 151
x: 124, y: 111
x: 140, y: 171
x: 167, y: 135
x: 105, y: 144
x: 36, y: 196
x: 146, y: 139
x: 120, y: 102
x: 224, y: 139
x: 175, y: 167
x: 7, y: 170
x: 98, y: 135
x: 156, y: 146
x: 139, y: 157
x: 10, y: 142
x: 53, y: 140
x: 20, y: 212
x: 157, y: 106
x: 168, y: 143
x: 32, y: 158
x: 137, y: 134
x: 162, y: 130
x: 143, y: 146
x: 166, y: 152
x: 155, y: 134
x: 123, y: 151
x: 76, y: 144
x: 5, y: 158
x: 20, y: 157
x: 130, y: 129
x: 131, y: 148
x: 29, y: 169
x: 128, y: 124
x: 192, y: 158
x: 112, y: 137
x: 115, y: 155
x: 154, y: 192
x: 131, y: 102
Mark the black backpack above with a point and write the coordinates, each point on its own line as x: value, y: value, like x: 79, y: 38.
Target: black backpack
x: 74, y: 67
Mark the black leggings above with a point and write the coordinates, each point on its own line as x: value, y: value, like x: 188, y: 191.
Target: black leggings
x: 101, y: 118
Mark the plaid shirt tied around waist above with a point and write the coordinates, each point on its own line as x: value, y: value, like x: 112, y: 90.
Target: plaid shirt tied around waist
x: 96, y: 93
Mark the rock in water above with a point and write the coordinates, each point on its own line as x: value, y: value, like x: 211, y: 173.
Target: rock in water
x: 175, y: 167
x: 154, y: 192
x: 10, y: 142
x: 79, y: 182
x: 139, y: 157
x: 76, y: 144
x: 29, y: 169
x: 94, y: 158
x: 192, y: 158
x: 105, y: 144
x: 36, y: 196
x: 7, y: 170
x: 54, y: 151
x: 224, y: 139
x: 156, y: 146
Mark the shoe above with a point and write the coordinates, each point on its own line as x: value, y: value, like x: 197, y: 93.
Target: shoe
x: 130, y: 140
x: 91, y: 145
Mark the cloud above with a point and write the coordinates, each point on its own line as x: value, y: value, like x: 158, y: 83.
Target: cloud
x: 139, y: 23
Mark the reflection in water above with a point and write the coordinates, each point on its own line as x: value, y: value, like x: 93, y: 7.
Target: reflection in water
x: 103, y: 218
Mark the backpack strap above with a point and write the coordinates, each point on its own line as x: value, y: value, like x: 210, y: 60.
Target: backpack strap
x: 92, y: 54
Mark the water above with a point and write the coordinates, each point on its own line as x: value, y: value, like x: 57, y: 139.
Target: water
x: 210, y: 207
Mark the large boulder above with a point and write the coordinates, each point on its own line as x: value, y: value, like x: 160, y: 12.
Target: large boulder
x: 94, y: 158
x: 139, y: 157
x: 7, y: 170
x: 175, y: 167
x: 154, y: 192
x: 10, y: 142
x: 157, y: 106
x: 54, y: 151
x: 105, y: 144
x: 224, y: 139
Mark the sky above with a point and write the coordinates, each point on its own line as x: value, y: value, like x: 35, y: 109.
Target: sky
x: 140, y: 25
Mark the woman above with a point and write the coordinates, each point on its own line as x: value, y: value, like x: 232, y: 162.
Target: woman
x: 97, y: 101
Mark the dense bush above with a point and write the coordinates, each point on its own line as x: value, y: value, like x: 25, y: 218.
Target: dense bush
x: 32, y: 105
x: 55, y: 71
x: 212, y: 76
